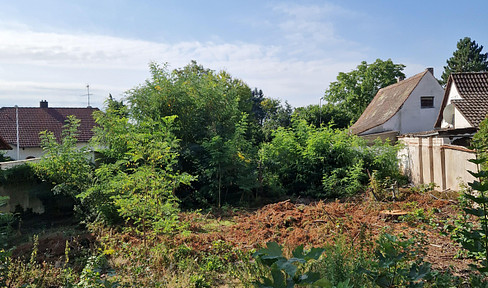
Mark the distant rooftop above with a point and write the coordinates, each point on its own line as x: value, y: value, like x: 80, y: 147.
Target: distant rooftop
x: 33, y: 120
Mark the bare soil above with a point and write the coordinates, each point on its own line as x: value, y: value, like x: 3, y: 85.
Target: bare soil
x: 321, y: 223
x: 291, y: 224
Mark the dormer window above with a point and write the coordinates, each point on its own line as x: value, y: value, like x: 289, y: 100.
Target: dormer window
x: 427, y: 102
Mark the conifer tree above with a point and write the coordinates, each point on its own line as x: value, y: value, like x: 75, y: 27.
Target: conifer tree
x: 467, y: 58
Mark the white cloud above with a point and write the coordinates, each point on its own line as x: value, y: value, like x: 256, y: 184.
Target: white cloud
x: 57, y: 67
x: 309, y: 28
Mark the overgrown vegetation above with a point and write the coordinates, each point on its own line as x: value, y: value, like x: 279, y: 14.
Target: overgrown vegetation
x: 197, y: 138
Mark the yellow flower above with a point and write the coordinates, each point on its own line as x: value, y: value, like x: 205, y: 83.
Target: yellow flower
x: 109, y: 251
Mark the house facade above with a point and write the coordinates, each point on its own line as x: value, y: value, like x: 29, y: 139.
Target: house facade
x: 30, y: 121
x: 410, y: 105
x: 441, y: 156
x: 465, y: 103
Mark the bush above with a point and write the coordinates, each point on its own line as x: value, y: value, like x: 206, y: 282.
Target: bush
x: 324, y: 162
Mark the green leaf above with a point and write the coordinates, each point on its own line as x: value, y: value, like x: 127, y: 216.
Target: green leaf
x: 479, y: 200
x: 287, y: 266
x: 480, y: 174
x: 476, y: 211
x: 298, y: 252
x: 417, y: 272
x: 479, y: 186
x: 324, y: 283
x: 344, y: 284
x: 273, y: 250
x: 308, y: 278
x: 278, y: 278
x: 477, y: 161
x: 314, y: 253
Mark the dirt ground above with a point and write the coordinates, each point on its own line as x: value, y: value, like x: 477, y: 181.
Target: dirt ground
x: 321, y: 223
x: 312, y: 224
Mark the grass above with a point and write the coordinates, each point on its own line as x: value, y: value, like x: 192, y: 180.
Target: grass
x: 207, y: 255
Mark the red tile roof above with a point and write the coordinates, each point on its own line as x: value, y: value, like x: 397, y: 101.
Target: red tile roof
x: 386, y: 104
x: 473, y: 89
x: 32, y: 121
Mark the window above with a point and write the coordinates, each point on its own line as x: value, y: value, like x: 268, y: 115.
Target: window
x: 427, y: 102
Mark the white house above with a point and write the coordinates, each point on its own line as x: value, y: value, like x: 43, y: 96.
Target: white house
x: 465, y: 103
x: 441, y: 156
x: 410, y: 105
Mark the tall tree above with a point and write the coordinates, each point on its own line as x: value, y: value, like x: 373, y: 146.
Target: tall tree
x: 467, y: 58
x: 212, y: 109
x: 353, y: 91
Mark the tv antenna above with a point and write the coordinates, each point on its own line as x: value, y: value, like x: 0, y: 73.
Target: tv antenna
x: 88, y: 93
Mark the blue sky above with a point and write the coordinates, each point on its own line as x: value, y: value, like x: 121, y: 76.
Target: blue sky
x: 50, y: 50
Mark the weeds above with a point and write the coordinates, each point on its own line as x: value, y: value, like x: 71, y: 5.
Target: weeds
x: 285, y: 272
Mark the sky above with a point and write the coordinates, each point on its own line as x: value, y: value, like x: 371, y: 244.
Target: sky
x: 292, y: 50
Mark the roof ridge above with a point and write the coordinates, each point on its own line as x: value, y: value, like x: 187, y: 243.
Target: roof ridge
x: 411, y: 78
x: 369, y: 116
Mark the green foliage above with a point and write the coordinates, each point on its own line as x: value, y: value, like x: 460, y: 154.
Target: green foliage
x: 5, y: 262
x: 467, y: 58
x: 287, y: 272
x: 63, y: 164
x: 217, y: 137
x: 474, y: 237
x: 341, y: 263
x: 397, y: 263
x: 229, y: 165
x: 353, y: 91
x: 322, y: 162
x: 140, y: 185
x: 328, y: 114
x: 420, y: 216
x: 6, y: 220
x: 480, y: 143
x: 275, y: 116
x: 24, y: 173
x: 95, y: 272
x: 206, y: 102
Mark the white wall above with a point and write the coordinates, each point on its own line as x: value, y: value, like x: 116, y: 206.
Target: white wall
x: 24, y: 153
x: 413, y: 118
x: 31, y: 152
x: 432, y: 160
x: 410, y: 117
x: 459, y: 120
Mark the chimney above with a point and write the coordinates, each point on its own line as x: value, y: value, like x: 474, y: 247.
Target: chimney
x: 431, y: 70
x: 43, y: 104
x: 400, y: 78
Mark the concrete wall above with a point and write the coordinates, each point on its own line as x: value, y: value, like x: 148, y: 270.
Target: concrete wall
x: 458, y: 165
x: 431, y: 160
x: 11, y: 164
x: 23, y: 195
x: 31, y: 152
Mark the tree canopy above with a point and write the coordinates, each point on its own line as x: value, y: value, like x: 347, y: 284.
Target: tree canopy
x: 467, y: 58
x: 353, y: 91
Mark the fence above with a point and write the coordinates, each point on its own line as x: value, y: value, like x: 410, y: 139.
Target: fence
x: 429, y: 159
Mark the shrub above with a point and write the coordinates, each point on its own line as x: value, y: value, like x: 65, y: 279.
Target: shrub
x: 324, y: 162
